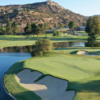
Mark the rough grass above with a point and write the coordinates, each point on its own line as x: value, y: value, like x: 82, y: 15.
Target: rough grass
x: 82, y: 73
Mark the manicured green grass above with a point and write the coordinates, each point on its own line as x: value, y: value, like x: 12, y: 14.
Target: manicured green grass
x: 82, y: 32
x: 74, y: 50
x: 82, y: 72
x: 11, y: 40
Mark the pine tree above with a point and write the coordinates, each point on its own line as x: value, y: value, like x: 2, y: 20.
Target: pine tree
x: 34, y: 28
x: 8, y: 28
x: 40, y: 29
x: 28, y: 29
x: 15, y: 27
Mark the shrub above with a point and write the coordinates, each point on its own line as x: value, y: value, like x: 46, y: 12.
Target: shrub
x: 42, y: 47
x: 55, y: 32
x: 58, y: 33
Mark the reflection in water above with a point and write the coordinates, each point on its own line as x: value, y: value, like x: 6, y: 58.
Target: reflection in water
x: 29, y: 49
x: 68, y: 44
x: 15, y: 54
x: 25, y: 49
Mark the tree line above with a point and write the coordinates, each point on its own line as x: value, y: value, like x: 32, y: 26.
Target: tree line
x: 10, y: 29
x: 35, y: 29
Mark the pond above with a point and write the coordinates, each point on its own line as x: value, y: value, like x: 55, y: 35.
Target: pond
x: 29, y: 49
x: 68, y: 44
x: 6, y: 61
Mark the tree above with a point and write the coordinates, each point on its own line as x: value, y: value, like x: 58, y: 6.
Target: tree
x: 40, y: 29
x: 72, y: 24
x: 84, y: 23
x: 15, y: 10
x: 8, y: 28
x: 61, y: 25
x: 34, y: 28
x: 46, y: 27
x: 92, y: 28
x: 58, y: 33
x: 42, y: 47
x: 55, y: 25
x: 54, y: 32
x: 15, y: 27
x: 2, y: 30
x: 28, y: 29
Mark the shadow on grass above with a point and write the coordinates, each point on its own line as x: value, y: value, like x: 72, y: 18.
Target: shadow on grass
x: 92, y: 86
x: 95, y: 52
x: 36, y: 38
x: 73, y: 52
x: 17, y: 67
x: 28, y: 95
x: 80, y: 48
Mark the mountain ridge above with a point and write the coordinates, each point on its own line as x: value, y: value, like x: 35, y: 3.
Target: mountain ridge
x: 41, y: 12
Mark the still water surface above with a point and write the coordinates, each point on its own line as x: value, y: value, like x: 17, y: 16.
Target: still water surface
x: 6, y: 61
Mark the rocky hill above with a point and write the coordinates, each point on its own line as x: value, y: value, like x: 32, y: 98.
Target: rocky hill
x: 43, y: 12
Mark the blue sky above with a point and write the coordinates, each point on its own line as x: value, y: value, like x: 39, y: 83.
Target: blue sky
x: 84, y: 7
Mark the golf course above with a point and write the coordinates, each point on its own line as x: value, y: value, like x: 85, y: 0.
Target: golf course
x: 81, y: 73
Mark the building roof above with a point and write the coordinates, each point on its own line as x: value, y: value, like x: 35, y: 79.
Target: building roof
x: 82, y: 26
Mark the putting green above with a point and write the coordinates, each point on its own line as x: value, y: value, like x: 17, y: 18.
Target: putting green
x: 66, y: 67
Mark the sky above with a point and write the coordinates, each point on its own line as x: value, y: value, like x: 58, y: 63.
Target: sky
x: 83, y: 7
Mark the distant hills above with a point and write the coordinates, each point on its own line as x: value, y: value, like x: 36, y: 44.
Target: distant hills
x: 43, y: 12
x: 93, y: 15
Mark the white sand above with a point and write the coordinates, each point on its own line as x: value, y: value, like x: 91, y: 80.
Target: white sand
x: 86, y: 53
x: 48, y: 88
x: 83, y: 53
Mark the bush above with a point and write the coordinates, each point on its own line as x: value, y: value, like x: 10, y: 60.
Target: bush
x: 56, y: 33
x: 42, y: 47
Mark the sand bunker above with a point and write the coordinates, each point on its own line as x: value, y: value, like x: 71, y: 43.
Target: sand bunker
x: 48, y: 88
x: 86, y: 53
x: 83, y: 53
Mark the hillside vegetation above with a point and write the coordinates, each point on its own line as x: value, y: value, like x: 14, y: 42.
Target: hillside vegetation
x: 43, y: 12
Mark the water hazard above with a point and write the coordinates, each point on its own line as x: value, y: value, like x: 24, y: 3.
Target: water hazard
x: 6, y: 61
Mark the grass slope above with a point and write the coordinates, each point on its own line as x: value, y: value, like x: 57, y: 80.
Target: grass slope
x: 14, y: 88
x: 81, y: 72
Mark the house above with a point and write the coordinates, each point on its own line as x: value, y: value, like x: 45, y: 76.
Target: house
x: 66, y: 27
x: 80, y: 28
